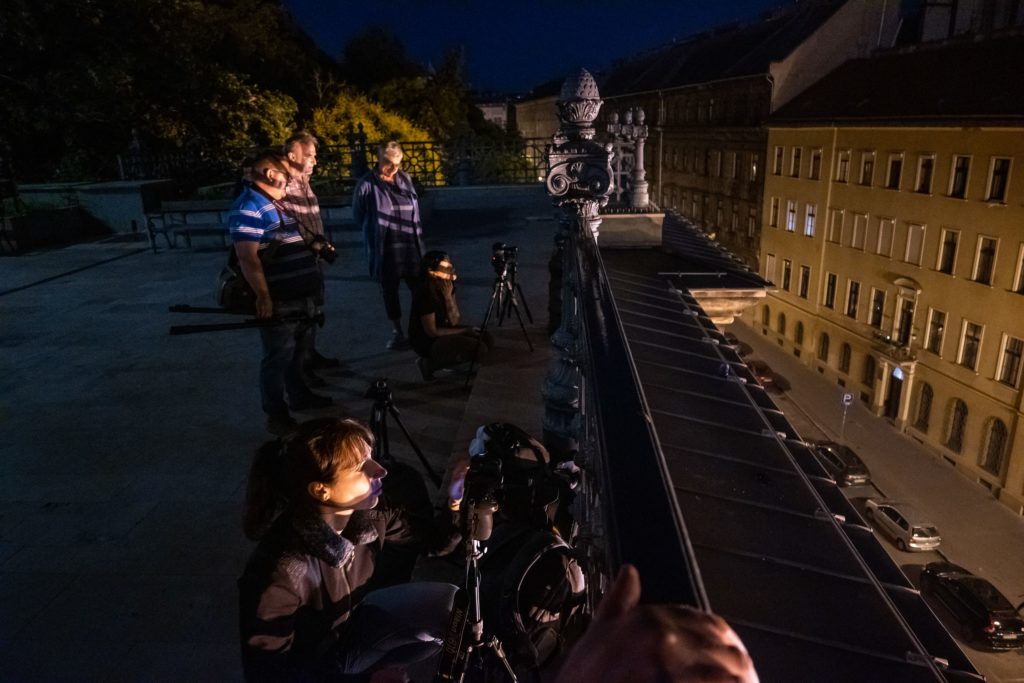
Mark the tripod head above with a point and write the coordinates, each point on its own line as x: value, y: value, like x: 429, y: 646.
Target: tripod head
x: 380, y: 393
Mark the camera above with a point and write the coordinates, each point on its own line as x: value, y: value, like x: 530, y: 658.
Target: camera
x: 327, y: 251
x: 502, y: 255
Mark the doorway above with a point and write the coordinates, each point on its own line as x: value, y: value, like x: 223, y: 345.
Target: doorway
x: 893, y: 394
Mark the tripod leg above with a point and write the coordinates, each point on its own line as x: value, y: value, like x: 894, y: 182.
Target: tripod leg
x: 495, y: 295
x: 519, y: 317
x: 434, y: 477
x: 522, y: 298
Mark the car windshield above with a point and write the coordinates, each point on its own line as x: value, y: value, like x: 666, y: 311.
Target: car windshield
x: 925, y: 532
x: 987, y: 593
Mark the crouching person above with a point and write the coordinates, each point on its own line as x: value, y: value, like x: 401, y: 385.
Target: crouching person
x: 435, y: 332
x: 305, y: 611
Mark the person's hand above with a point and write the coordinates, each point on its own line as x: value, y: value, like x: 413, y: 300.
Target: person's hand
x: 264, y: 307
x: 390, y: 674
x: 631, y: 643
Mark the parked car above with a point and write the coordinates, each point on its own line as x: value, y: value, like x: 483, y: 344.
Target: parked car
x: 740, y: 347
x: 842, y: 463
x: 768, y: 378
x: 983, y: 614
x: 907, y: 527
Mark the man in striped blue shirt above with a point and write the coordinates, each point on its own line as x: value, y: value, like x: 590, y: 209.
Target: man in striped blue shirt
x: 282, y: 271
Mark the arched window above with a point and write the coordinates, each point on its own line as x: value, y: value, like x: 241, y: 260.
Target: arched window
x: 869, y: 372
x: 798, y: 333
x: 823, y: 347
x: 924, y: 407
x: 766, y: 315
x: 782, y: 324
x: 995, y: 449
x: 957, y: 426
x: 844, y: 358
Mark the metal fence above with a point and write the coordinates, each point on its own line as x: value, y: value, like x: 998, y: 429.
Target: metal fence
x: 431, y: 164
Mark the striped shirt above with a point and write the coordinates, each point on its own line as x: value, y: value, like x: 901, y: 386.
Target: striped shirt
x: 288, y: 264
x: 300, y: 203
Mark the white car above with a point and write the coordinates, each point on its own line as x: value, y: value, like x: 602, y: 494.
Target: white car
x: 908, y: 528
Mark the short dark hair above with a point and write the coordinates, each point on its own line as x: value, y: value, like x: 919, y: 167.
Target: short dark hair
x: 300, y: 137
x: 270, y: 158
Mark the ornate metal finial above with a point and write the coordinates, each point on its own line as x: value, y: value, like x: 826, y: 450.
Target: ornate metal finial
x: 579, y: 105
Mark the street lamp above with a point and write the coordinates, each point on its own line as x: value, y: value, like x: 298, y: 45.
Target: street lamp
x: 629, y: 135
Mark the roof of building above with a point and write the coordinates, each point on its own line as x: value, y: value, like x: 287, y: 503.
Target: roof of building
x: 979, y: 80
x: 728, y: 51
x: 759, y: 513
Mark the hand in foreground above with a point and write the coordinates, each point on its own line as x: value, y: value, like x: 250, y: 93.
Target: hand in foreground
x: 264, y: 307
x: 631, y: 643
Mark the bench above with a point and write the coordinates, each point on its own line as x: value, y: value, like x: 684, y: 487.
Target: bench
x: 209, y: 217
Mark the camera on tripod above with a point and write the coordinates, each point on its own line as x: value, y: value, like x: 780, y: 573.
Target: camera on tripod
x: 503, y: 255
x: 323, y: 248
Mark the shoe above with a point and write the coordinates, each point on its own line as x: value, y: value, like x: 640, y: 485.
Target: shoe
x: 311, y: 401
x: 281, y: 425
x: 398, y: 341
x: 424, y: 367
x: 318, y: 362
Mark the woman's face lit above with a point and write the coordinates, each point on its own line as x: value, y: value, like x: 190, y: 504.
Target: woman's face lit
x: 356, y: 488
x: 389, y: 169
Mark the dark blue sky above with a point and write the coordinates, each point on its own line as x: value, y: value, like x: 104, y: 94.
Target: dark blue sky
x: 512, y: 46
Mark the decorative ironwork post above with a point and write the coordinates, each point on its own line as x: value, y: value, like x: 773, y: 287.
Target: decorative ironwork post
x: 579, y: 181
x: 630, y: 135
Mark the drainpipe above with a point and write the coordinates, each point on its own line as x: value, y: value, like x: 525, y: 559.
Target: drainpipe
x: 661, y: 146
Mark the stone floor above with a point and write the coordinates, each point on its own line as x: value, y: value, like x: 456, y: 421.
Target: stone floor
x: 124, y: 450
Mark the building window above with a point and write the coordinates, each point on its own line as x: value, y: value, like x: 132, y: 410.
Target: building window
x: 798, y: 333
x: 755, y: 167
x: 925, y: 172
x: 782, y: 324
x: 794, y: 162
x: 859, y: 231
x: 751, y: 222
x: 720, y: 214
x: 734, y: 222
x: 852, y: 297
x: 830, y: 291
x: 905, y: 321
x: 843, y: 167
x: 805, y: 281
x: 957, y: 426
x: 835, y: 226
x: 915, y: 244
x: 895, y: 172
x: 815, y: 172
x: 773, y: 213
x: 766, y: 315
x: 998, y: 179
x: 886, y: 228
x: 958, y: 181
x: 995, y: 448
x: 867, y: 168
x: 936, y: 330
x: 924, y: 407
x: 823, y: 347
x: 769, y: 267
x: 777, y: 163
x: 868, y: 377
x: 970, y: 344
x: 845, y: 352
x: 787, y: 273
x: 714, y: 163
x: 1018, y: 275
x: 984, y: 261
x: 733, y: 165
x: 877, y: 308
x: 947, y: 252
x: 1009, y: 364
x: 791, y: 215
x: 810, y: 218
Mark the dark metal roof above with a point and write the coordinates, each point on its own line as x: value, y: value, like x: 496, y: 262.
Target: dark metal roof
x: 727, y: 52
x: 967, y: 80
x: 685, y: 248
x: 782, y: 555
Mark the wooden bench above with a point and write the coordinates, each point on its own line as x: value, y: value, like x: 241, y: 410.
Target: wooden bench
x: 209, y: 217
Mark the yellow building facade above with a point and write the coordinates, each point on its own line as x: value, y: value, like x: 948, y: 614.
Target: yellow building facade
x: 897, y: 255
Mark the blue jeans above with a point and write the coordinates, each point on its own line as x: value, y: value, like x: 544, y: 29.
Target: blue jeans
x: 403, y: 625
x: 285, y: 349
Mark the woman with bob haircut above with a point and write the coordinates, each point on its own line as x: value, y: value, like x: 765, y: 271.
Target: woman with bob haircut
x: 305, y: 611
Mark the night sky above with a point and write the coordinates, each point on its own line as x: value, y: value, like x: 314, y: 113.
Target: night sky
x: 513, y: 46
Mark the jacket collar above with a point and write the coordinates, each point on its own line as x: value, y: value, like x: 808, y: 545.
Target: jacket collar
x: 324, y: 543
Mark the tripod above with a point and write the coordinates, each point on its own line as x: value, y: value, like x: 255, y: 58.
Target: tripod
x: 465, y: 642
x: 383, y: 405
x: 507, y: 302
x: 503, y: 297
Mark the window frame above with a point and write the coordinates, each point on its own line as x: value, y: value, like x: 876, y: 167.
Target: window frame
x: 859, y: 238
x: 814, y: 170
x: 834, y: 235
x: 795, y: 161
x: 961, y: 354
x: 829, y: 295
x: 877, y: 324
x: 912, y: 228
x: 942, y: 251
x: 787, y: 273
x: 882, y: 241
x: 976, y: 269
x: 779, y: 154
x: 852, y: 301
x: 774, y: 206
x: 991, y: 180
x: 810, y: 218
x: 936, y: 331
x: 791, y: 207
x: 1001, y: 368
x: 843, y: 158
x: 804, y: 283
x: 953, y: 177
x: 866, y: 178
x: 921, y: 158
x: 898, y: 158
